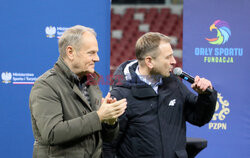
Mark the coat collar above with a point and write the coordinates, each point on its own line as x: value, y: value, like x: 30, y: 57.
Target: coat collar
x: 92, y: 83
x: 61, y: 66
x: 131, y: 81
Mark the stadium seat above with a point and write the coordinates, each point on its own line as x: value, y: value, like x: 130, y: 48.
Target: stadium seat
x: 158, y: 19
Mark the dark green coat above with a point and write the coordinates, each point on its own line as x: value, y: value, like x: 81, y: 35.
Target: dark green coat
x: 64, y: 124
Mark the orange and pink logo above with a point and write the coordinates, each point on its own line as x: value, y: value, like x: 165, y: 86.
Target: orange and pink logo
x: 223, y: 32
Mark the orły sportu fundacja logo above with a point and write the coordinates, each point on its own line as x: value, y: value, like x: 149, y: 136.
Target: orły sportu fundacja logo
x: 223, y: 32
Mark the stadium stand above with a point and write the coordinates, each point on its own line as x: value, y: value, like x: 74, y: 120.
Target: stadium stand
x: 128, y: 23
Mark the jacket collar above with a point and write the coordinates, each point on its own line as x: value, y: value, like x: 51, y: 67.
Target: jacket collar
x: 92, y: 79
x: 92, y: 82
x: 125, y: 76
x: 61, y: 66
x: 131, y: 80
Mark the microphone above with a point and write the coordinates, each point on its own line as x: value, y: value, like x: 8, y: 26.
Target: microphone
x: 178, y: 72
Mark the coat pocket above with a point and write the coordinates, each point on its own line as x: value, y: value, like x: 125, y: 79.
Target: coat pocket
x: 181, y: 154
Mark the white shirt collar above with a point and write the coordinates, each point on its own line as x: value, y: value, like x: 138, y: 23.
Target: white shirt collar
x: 147, y: 79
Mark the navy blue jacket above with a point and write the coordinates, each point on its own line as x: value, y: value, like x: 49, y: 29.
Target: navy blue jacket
x: 154, y: 125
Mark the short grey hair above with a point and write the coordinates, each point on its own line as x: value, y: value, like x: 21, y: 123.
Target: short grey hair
x: 73, y: 37
x: 148, y: 44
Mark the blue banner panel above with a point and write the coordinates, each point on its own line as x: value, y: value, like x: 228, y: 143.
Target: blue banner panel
x: 29, y: 46
x: 216, y: 46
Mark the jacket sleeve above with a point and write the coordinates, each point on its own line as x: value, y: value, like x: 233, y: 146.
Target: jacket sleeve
x: 46, y: 110
x: 199, y: 109
x: 110, y: 148
x: 109, y: 132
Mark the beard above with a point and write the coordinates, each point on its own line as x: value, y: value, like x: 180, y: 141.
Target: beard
x: 157, y: 73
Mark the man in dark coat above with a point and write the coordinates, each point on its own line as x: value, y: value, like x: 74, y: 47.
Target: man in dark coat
x: 159, y: 104
x: 69, y: 118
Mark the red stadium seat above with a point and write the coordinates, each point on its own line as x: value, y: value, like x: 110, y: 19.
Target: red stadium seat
x: 160, y: 20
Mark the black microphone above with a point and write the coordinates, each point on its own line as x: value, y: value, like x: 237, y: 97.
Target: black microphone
x: 178, y: 72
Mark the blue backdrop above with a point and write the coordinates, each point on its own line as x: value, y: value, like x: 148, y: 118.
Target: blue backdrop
x: 28, y: 50
x: 216, y: 46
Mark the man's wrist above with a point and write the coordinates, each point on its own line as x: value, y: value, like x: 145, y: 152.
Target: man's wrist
x: 110, y: 122
x: 110, y: 126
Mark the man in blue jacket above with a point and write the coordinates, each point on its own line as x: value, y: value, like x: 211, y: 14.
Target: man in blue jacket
x: 159, y: 104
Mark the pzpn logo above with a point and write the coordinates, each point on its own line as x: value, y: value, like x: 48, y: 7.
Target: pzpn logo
x: 221, y: 112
